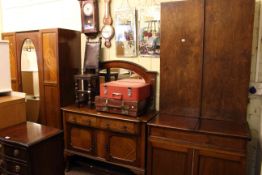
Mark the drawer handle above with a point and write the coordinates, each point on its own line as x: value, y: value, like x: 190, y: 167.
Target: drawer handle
x: 1, y: 146
x: 16, y: 152
x: 88, y: 122
x: 108, y: 126
x: 17, y: 168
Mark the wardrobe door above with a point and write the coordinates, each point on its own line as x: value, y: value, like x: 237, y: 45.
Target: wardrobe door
x: 50, y: 78
x: 227, y: 55
x: 13, y: 60
x: 181, y: 57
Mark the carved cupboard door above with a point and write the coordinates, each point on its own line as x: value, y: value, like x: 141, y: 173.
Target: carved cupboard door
x: 122, y: 148
x: 218, y: 163
x: 81, y: 139
x: 13, y: 60
x: 169, y: 158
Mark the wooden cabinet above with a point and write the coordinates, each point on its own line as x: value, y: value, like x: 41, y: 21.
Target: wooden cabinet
x: 23, y: 150
x: 111, y: 138
x: 58, y: 54
x: 201, y: 128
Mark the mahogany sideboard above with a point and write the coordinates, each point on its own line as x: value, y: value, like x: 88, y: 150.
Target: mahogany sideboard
x: 111, y: 138
x: 205, y: 55
x: 31, y: 149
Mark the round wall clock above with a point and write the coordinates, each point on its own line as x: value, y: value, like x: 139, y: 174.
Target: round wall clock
x: 107, y: 33
x: 89, y: 16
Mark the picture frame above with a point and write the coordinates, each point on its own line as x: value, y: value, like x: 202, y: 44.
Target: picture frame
x: 149, y: 31
x: 125, y: 33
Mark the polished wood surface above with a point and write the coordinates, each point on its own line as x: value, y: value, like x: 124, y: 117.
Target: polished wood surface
x: 227, y: 53
x: 27, y: 133
x: 105, y: 138
x: 13, y: 61
x: 12, y: 110
x: 31, y: 149
x: 181, y: 57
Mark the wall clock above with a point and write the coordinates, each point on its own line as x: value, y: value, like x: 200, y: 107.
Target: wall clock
x: 107, y: 31
x: 89, y: 16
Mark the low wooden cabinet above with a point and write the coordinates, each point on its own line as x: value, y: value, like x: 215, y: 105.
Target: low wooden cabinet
x: 111, y: 138
x: 194, y: 147
x: 31, y: 149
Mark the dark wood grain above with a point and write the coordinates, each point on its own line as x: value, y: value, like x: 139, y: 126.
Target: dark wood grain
x: 212, y: 138
x: 181, y: 61
x: 227, y: 56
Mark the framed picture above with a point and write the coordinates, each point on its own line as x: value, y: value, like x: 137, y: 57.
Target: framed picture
x: 149, y: 31
x: 125, y: 33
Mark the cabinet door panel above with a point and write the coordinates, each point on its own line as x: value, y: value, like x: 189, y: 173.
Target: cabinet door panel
x: 123, y: 149
x: 81, y: 139
x: 51, y: 107
x: 219, y: 164
x: 168, y: 158
x: 228, y: 39
x: 50, y: 55
x: 181, y: 57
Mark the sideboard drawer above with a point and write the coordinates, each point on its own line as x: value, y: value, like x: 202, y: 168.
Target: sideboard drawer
x: 15, y: 152
x: 15, y: 167
x: 81, y: 119
x: 119, y: 126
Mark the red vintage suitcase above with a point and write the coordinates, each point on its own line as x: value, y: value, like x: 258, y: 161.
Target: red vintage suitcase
x: 125, y: 107
x: 126, y: 89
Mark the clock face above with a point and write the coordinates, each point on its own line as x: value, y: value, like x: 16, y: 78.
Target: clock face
x: 107, y: 32
x: 88, y: 9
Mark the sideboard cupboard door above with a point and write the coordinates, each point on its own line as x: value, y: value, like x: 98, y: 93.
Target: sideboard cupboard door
x: 168, y: 159
x: 13, y: 61
x: 81, y: 139
x: 210, y: 162
x: 182, y: 65
x: 227, y: 53
x: 122, y: 148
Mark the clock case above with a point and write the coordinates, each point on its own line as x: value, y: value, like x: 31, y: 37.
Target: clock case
x: 90, y: 24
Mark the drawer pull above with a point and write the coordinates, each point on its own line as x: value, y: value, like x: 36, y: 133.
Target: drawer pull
x: 108, y: 126
x: 17, y: 168
x: 88, y: 122
x: 16, y: 152
x: 1, y: 146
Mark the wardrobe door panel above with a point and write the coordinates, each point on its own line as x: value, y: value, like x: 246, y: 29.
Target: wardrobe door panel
x: 181, y: 57
x: 228, y: 39
x: 52, y: 111
x: 50, y: 57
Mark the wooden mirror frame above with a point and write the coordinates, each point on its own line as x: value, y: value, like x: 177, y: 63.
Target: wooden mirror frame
x: 148, y: 76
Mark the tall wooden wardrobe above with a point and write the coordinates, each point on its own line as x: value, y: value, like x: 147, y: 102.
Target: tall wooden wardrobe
x: 204, y: 77
x: 58, y: 58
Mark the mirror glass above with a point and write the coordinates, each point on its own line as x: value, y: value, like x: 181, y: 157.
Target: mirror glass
x: 120, y: 73
x: 125, y: 31
x: 30, y: 80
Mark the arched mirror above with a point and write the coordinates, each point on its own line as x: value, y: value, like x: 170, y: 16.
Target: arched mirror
x: 30, y: 79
